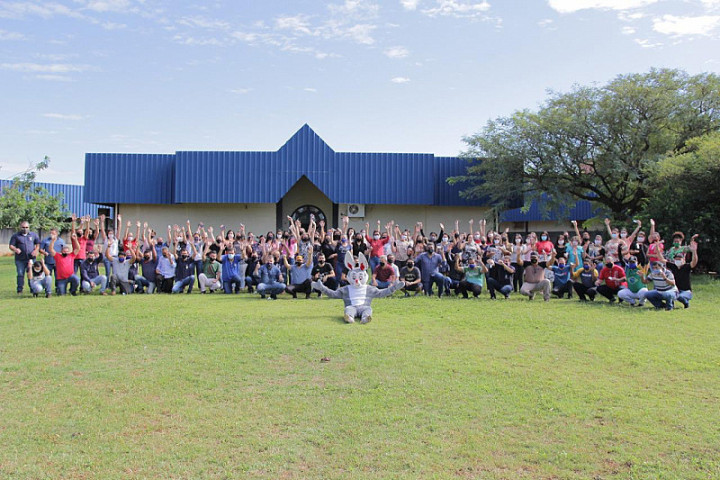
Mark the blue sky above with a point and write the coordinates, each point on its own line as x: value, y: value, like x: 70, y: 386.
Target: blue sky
x: 157, y: 76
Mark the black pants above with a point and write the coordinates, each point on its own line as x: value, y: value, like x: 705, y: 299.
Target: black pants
x: 607, y: 292
x: 517, y: 278
x: 304, y: 287
x: 164, y: 285
x: 330, y: 283
x: 582, y: 291
x: 563, y: 289
x: 125, y: 287
x: 466, y: 287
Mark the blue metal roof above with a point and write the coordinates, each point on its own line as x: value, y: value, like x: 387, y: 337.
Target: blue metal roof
x: 128, y: 178
x: 72, y: 196
x: 581, y: 211
x: 265, y: 177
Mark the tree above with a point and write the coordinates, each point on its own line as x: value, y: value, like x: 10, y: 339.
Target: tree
x: 685, y: 195
x: 24, y: 200
x: 593, y: 143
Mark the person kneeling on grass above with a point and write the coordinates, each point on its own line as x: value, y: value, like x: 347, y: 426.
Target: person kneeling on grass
x: 65, y: 266
x: 635, y: 289
x: 39, y: 278
x: 184, y: 269
x: 410, y: 275
x: 681, y: 270
x: 534, y: 280
x: 211, y: 276
x: 664, y: 290
x: 584, y: 280
x: 271, y: 279
x: 300, y: 273
x: 384, y: 274
x: 610, y: 279
x: 561, y: 278
x: 324, y: 273
x: 149, y: 266
x: 121, y: 271
x: 500, y: 277
x: 90, y: 273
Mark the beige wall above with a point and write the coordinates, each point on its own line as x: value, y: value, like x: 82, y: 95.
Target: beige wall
x: 538, y: 227
x: 304, y: 192
x: 407, y: 215
x: 257, y: 218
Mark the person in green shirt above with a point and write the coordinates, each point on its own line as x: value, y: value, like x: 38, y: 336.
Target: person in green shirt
x: 677, y: 247
x: 211, y: 276
x: 474, y: 278
x: 635, y: 289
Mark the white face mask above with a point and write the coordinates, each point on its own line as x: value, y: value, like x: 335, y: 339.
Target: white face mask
x: 231, y: 256
x: 623, y: 235
x: 641, y: 239
x: 561, y: 242
x: 404, y: 237
x: 679, y: 263
x: 598, y: 242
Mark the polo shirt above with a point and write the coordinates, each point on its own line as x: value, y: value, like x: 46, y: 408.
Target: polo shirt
x: 64, y: 266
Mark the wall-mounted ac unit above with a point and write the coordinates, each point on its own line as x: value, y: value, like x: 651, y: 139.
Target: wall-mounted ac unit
x: 355, y: 210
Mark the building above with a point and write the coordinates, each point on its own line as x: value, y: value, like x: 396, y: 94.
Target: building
x: 261, y: 189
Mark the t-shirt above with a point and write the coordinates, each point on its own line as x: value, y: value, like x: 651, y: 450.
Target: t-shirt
x: 615, y: 272
x: 659, y: 283
x: 82, y: 241
x: 300, y: 273
x: 211, y: 268
x: 64, y: 266
x: 121, y: 269
x: 321, y: 270
x: 428, y: 264
x: 562, y: 275
x: 587, y: 277
x: 45, y: 245
x: 383, y: 273
x: 410, y: 275
x: 377, y: 246
x: 682, y: 276
x: 184, y: 268
x: 148, y: 270
x: 634, y: 279
x: 474, y: 275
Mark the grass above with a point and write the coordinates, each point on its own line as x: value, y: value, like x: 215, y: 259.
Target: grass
x: 221, y: 386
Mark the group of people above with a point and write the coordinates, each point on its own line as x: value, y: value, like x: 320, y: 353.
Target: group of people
x: 632, y: 267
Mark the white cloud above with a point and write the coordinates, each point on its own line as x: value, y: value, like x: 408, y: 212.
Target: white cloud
x: 355, y: 9
x: 570, y: 6
x: 457, y: 8
x: 400, y: 80
x: 628, y: 30
x: 108, y: 5
x: 673, y: 25
x: 62, y: 116
x: 630, y: 17
x: 55, y: 78
x: 7, y: 36
x: 545, y: 22
x: 48, y: 68
x: 397, y: 52
x: 361, y: 33
x: 409, y: 4
x: 311, y: 90
x: 646, y: 43
x: 298, y: 24
x: 113, y: 26
x: 202, y: 22
x: 241, y: 91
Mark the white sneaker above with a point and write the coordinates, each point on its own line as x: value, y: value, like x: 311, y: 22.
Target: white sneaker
x: 349, y: 319
x: 367, y: 319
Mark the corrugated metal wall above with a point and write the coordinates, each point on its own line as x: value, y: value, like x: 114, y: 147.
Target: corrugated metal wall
x: 72, y: 196
x: 581, y: 211
x: 129, y: 178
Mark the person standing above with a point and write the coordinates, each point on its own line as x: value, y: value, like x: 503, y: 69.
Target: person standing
x: 25, y: 245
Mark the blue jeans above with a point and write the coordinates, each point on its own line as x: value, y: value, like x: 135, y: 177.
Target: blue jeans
x: 39, y: 286
x: 61, y: 285
x: 180, y: 285
x: 374, y: 262
x: 99, y: 280
x: 21, y: 267
x: 272, y: 288
x: 659, y: 299
x: 236, y: 281
x: 143, y: 283
x: 493, y: 285
x: 684, y: 297
x: 381, y: 284
x: 439, y: 279
x: 108, y: 267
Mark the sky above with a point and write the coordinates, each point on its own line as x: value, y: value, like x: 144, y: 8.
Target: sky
x: 414, y: 76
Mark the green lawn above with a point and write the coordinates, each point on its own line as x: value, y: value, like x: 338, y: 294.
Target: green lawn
x: 219, y: 386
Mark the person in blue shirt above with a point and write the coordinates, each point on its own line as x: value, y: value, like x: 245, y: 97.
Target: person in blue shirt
x: 45, y: 249
x: 300, y: 273
x: 232, y: 279
x: 561, y: 283
x: 271, y: 279
x: 429, y: 263
x: 25, y: 245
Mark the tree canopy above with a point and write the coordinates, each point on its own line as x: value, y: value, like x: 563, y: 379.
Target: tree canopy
x: 25, y: 200
x: 597, y: 143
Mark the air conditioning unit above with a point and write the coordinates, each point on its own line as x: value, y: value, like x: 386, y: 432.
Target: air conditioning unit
x: 355, y: 210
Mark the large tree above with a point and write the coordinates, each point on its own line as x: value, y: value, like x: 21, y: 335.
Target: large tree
x: 597, y: 143
x: 25, y: 200
x: 685, y: 195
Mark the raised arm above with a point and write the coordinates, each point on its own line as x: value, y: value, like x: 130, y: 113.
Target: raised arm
x: 607, y: 225
x: 693, y: 249
x: 575, y: 227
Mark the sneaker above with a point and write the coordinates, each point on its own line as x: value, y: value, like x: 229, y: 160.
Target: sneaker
x: 506, y: 295
x: 274, y: 297
x: 532, y: 296
x: 74, y: 294
x: 407, y: 294
x: 307, y: 295
x: 47, y: 295
x: 367, y: 319
x: 349, y: 319
x: 250, y: 289
x: 262, y: 295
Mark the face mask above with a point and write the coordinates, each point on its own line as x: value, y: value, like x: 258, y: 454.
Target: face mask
x: 561, y: 265
x: 376, y: 237
x: 679, y: 263
x: 121, y: 259
x: 561, y: 242
x: 574, y: 244
x: 518, y: 241
x: 598, y: 242
x: 305, y: 239
x: 641, y: 239
x: 445, y: 239
x: 382, y: 264
x: 147, y: 258
x: 623, y: 235
x: 632, y: 265
x: 433, y: 237
x: 614, y: 235
x: 184, y: 257
x: 429, y: 251
x: 231, y: 256
x: 344, y: 240
x: 410, y: 265
x: 471, y: 266
x: 608, y: 264
x: 543, y: 237
x: 404, y: 238
x: 111, y: 236
x: 496, y: 242
x: 490, y: 264
x: 533, y: 260
x: 586, y: 266
x: 655, y: 271
x: 320, y: 262
x: 130, y: 238
x: 270, y: 237
x: 676, y: 244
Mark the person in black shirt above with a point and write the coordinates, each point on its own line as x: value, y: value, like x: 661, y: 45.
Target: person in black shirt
x: 500, y: 277
x: 410, y: 274
x: 681, y: 271
x: 323, y: 272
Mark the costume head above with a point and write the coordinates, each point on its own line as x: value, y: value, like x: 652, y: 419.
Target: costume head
x: 357, y: 275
